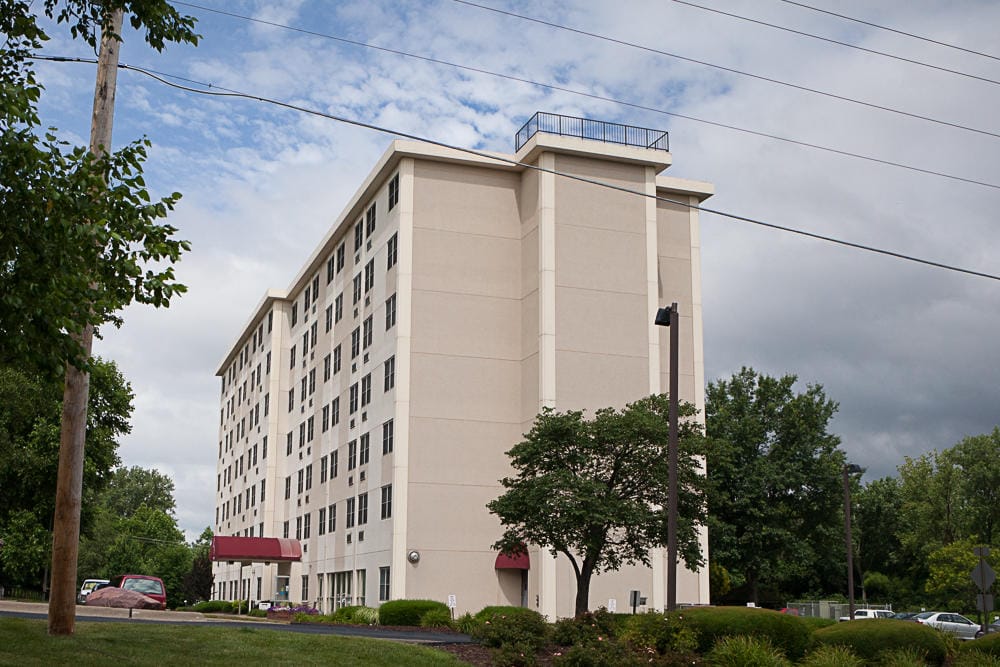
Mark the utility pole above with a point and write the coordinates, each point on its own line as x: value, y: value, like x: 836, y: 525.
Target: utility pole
x: 69, y: 484
x: 669, y: 317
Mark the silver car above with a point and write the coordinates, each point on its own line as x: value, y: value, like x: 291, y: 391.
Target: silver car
x: 955, y: 624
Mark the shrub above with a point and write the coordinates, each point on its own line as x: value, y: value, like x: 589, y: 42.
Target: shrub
x: 989, y: 645
x: 783, y: 631
x: 355, y: 615
x: 902, y: 657
x: 437, y: 618
x: 407, y: 612
x: 521, y: 628
x: 213, y: 607
x: 867, y: 639
x: 466, y: 623
x: 366, y: 616
x: 975, y: 659
x: 606, y: 653
x: 257, y: 613
x: 659, y: 632
x: 489, y: 612
x: 815, y: 622
x: 743, y: 651
x: 515, y: 655
x: 832, y: 656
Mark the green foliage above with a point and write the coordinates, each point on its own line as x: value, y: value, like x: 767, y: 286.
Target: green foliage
x: 131, y: 488
x: 719, y: 581
x: 520, y: 629
x: 595, y: 490
x: 30, y: 413
x: 602, y: 653
x: 989, y: 645
x: 743, y: 651
x: 81, y: 237
x: 407, y: 612
x: 213, y: 607
x: 815, y: 622
x: 774, y: 496
x: 466, y: 623
x: 832, y: 656
x: 786, y: 632
x: 869, y: 638
x: 902, y: 657
x: 515, y: 655
x: 877, y: 585
x: 437, y: 618
x: 973, y: 659
x: 948, y: 581
x: 664, y: 633
x: 876, y: 528
x: 366, y: 616
x: 198, y: 582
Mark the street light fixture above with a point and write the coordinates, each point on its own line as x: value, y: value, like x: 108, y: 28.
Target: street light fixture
x: 849, y: 469
x: 668, y: 317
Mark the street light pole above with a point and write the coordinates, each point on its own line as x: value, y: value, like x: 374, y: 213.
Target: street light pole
x: 849, y: 469
x: 668, y: 317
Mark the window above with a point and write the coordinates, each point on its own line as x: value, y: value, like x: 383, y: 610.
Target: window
x: 350, y: 512
x: 352, y: 405
x: 335, y: 411
x: 270, y: 320
x: 393, y: 200
x: 267, y: 404
x: 262, y: 499
x: 263, y: 447
x: 267, y: 362
x: 312, y: 381
x: 336, y: 360
x: 298, y: 532
x: 390, y: 312
x: 387, y: 501
x: 334, y: 463
x: 332, y: 518
x: 315, y: 288
x: 352, y: 455
x: 288, y: 487
x: 284, y: 530
x: 330, y: 268
x: 383, y: 584
x: 311, y: 428
x: 288, y: 448
x: 329, y: 318
x: 365, y: 447
x: 305, y: 302
x: 340, y: 257
x: 338, y: 308
x: 291, y: 400
x: 355, y: 342
x: 295, y: 313
x: 392, y: 251
x: 322, y: 469
x: 359, y: 235
x: 306, y: 521
x: 366, y: 390
x: 302, y: 479
x: 312, y: 334
x: 321, y: 523
x: 369, y: 275
x: 362, y: 509
x: 370, y: 220
x: 367, y: 342
x: 387, y: 437
x: 305, y: 344
x: 291, y: 357
x: 326, y: 418
x: 302, y: 434
x: 304, y: 384
x: 357, y: 288
x: 326, y: 368
x: 390, y: 374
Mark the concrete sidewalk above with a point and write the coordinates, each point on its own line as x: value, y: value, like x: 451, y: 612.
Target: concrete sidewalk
x: 85, y: 611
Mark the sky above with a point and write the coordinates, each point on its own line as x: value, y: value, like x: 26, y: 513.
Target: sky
x: 909, y: 351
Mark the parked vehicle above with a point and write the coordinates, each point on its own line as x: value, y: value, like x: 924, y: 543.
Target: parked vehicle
x: 868, y: 613
x: 955, y: 624
x: 89, y: 585
x: 140, y: 583
x: 905, y: 616
x: 991, y: 629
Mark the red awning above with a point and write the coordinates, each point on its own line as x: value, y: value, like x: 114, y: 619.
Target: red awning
x: 255, y: 549
x: 519, y: 562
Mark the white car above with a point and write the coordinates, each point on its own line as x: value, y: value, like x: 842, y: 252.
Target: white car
x: 955, y: 624
x: 868, y: 613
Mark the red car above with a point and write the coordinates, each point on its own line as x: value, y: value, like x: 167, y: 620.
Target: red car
x: 151, y: 587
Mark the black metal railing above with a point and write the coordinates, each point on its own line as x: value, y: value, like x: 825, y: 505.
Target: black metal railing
x: 585, y: 128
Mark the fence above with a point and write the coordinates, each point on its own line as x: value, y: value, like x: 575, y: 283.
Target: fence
x: 828, y: 609
x: 585, y: 128
x: 22, y: 594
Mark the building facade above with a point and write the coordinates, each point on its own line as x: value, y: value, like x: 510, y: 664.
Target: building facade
x: 366, y: 409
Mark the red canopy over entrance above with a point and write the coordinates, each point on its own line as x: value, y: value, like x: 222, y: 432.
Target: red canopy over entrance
x: 519, y: 562
x: 255, y: 549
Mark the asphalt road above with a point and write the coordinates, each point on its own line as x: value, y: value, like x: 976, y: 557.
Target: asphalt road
x: 106, y: 615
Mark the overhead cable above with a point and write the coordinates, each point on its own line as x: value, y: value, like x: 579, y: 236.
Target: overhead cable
x: 225, y: 92
x: 731, y: 70
x: 602, y: 98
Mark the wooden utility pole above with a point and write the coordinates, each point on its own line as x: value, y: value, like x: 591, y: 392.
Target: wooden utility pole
x: 69, y: 485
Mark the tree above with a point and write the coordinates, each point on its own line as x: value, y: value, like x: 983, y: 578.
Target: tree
x: 199, y: 581
x: 978, y: 457
x: 930, y: 508
x: 774, y: 492
x: 595, y: 490
x: 131, y: 488
x: 950, y: 584
x: 29, y: 450
x: 876, y: 526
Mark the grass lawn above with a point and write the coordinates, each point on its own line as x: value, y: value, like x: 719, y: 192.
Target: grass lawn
x: 26, y: 642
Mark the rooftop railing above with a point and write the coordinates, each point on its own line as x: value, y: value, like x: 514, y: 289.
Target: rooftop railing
x: 585, y: 128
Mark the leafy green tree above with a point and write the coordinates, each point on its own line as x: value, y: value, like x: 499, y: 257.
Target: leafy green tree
x: 876, y: 526
x: 774, y: 494
x: 29, y: 451
x: 131, y: 488
x: 74, y: 252
x: 198, y: 582
x: 950, y: 584
x: 595, y: 490
x: 978, y: 457
x: 930, y: 510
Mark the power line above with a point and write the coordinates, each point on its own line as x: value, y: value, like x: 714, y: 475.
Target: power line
x: 838, y: 42
x: 732, y: 70
x: 225, y: 92
x: 602, y: 98
x: 898, y: 32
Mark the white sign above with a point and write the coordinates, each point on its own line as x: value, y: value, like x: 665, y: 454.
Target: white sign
x: 452, y: 603
x: 612, y: 605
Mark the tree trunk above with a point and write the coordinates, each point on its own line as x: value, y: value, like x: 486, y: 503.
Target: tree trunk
x: 583, y: 588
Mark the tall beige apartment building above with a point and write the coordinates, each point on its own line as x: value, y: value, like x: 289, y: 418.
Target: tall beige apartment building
x: 367, y: 408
